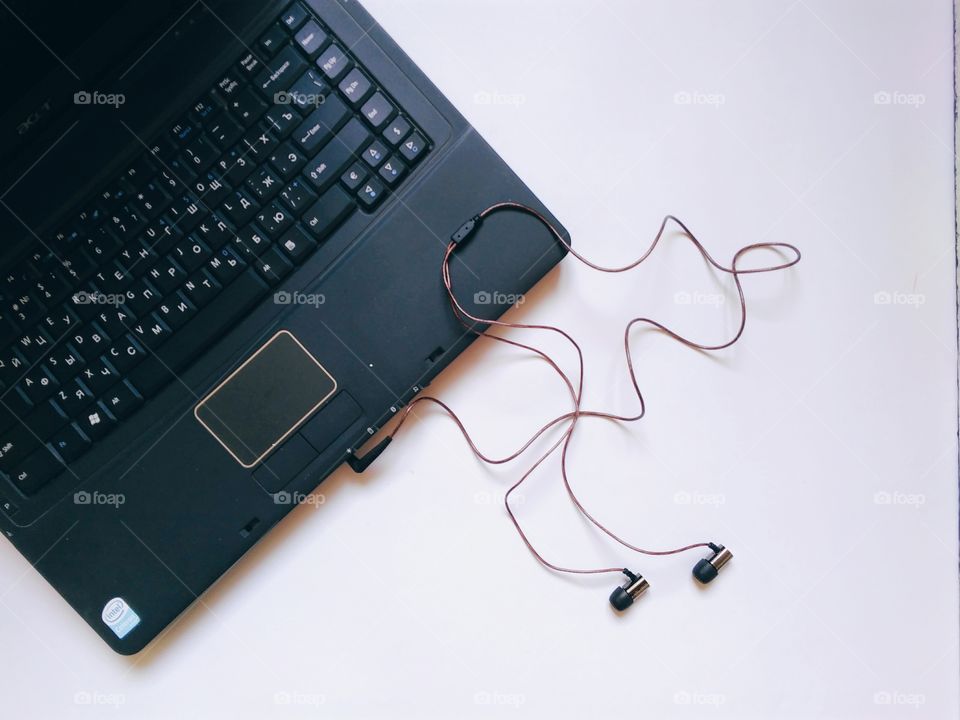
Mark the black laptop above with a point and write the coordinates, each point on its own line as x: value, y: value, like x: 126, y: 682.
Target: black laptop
x: 220, y: 275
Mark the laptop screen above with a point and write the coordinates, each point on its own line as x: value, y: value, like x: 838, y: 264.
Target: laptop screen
x: 51, y: 50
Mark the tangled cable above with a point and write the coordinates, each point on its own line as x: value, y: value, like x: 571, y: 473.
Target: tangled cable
x: 622, y: 597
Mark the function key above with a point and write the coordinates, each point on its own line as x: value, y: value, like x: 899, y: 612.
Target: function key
x: 397, y: 131
x: 378, y: 110
x: 334, y: 62
x: 412, y: 149
x: 273, y: 39
x: 203, y: 109
x: 294, y: 16
x: 356, y: 87
x: 312, y: 39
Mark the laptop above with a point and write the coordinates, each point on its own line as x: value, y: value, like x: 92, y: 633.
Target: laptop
x: 223, y: 225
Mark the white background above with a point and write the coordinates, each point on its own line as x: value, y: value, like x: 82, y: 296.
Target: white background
x: 822, y: 449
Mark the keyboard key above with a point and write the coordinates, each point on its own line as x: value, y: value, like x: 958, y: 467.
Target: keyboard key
x: 201, y: 289
x: 258, y: 144
x: 273, y: 266
x: 274, y: 219
x: 378, y: 110
x: 69, y: 443
x: 328, y: 212
x: 393, y: 171
x: 36, y: 471
x: 64, y: 362
x: 247, y: 107
x: 331, y: 162
x: 412, y: 149
x: 371, y: 194
x: 38, y: 384
x: 273, y: 39
x: 308, y: 92
x: 223, y: 130
x: 122, y: 400
x: 281, y: 120
x: 287, y: 161
x: 312, y: 39
x: 354, y: 177
x: 234, y: 166
x: 96, y: 422
x: 321, y: 125
x: 151, y: 332
x: 175, y: 311
x: 280, y: 72
x: 46, y: 419
x: 99, y: 375
x: 264, y: 184
x: 250, y: 243
x: 294, y: 16
x: 298, y: 197
x: 125, y: 354
x: 226, y: 265
x: 74, y: 398
x: 16, y: 444
x: 190, y: 254
x: 239, y: 208
x: 297, y: 245
x: 334, y: 62
x: 249, y: 64
x: 396, y: 131
x: 375, y: 154
x: 356, y: 87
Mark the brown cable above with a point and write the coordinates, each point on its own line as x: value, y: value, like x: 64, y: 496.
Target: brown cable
x: 470, y: 322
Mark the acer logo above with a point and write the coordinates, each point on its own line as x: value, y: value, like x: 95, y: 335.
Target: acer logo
x: 33, y: 118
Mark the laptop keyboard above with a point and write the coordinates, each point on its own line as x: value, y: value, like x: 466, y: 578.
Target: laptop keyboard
x: 292, y: 140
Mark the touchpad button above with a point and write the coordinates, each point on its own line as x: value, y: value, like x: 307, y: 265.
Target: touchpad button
x: 266, y: 399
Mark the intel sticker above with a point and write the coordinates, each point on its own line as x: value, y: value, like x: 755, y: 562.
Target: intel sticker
x: 120, y: 617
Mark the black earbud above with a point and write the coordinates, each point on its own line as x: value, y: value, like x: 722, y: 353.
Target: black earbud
x: 708, y: 568
x: 623, y: 596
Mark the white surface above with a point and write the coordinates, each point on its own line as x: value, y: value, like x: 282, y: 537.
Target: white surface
x: 407, y: 594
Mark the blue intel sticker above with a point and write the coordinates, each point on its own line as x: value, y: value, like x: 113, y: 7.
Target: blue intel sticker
x: 120, y: 617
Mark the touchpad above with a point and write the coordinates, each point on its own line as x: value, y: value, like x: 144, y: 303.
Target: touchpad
x: 266, y: 399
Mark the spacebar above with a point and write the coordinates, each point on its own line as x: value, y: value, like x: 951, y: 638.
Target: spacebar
x: 199, y: 334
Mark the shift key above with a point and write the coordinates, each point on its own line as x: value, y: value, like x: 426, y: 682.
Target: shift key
x: 331, y: 162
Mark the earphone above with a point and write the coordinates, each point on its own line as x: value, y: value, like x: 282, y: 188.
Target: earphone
x: 623, y: 597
